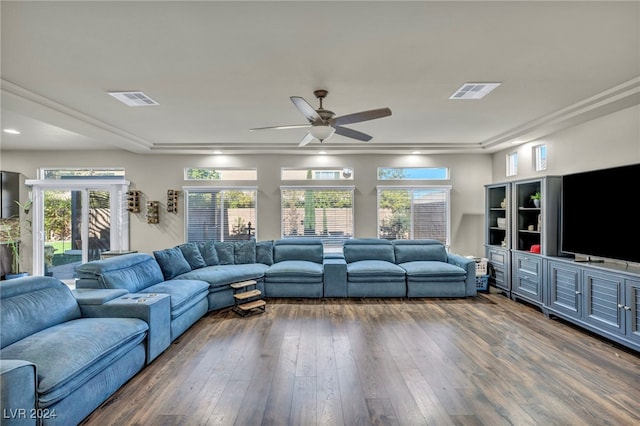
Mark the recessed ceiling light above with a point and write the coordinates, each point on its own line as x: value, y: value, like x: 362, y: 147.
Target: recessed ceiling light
x: 217, y: 152
x: 474, y: 90
x: 133, y: 98
x: 517, y: 142
x: 322, y: 152
x: 416, y: 152
x: 11, y: 131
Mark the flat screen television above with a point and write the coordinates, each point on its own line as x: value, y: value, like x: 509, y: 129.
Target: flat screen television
x: 599, y: 215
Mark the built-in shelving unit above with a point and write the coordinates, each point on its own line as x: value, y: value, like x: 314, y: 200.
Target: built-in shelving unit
x: 498, y: 234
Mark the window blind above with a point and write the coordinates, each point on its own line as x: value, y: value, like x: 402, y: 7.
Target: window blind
x: 220, y: 214
x: 322, y: 212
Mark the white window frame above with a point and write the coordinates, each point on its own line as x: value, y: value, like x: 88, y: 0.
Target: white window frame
x: 187, y: 189
x: 540, y: 157
x: 443, y: 188
x: 328, y: 241
x: 119, y: 225
x: 512, y: 164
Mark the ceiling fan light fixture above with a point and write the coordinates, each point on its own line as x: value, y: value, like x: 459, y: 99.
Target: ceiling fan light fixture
x: 322, y: 132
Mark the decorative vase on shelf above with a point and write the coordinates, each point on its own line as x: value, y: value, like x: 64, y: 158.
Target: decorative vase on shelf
x: 536, y: 202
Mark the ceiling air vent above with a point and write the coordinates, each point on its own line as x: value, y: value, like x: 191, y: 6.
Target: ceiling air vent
x: 474, y: 90
x: 133, y: 98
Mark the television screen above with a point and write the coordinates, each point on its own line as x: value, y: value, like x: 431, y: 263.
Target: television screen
x: 599, y: 217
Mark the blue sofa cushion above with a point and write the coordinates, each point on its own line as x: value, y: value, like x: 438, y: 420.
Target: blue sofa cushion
x: 294, y: 271
x: 309, y: 249
x: 374, y: 271
x: 244, y: 252
x: 368, y: 249
x: 172, y: 262
x: 69, y: 354
x: 192, y: 254
x: 223, y: 275
x: 264, y: 252
x: 184, y: 293
x: 209, y: 252
x: 23, y: 302
x: 430, y: 270
x: 415, y: 250
x: 225, y: 252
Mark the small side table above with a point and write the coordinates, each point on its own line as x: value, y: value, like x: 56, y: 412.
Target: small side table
x: 154, y: 308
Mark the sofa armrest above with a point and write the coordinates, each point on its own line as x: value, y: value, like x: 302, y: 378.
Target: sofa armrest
x: 335, y: 277
x: 468, y: 265
x: 18, y: 392
x: 89, y: 296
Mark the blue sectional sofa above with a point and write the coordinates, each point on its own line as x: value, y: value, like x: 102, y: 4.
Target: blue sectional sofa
x: 57, y: 362
x: 289, y: 267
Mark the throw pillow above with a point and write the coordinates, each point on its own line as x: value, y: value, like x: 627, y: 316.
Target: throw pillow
x: 225, y: 252
x: 208, y: 252
x: 191, y: 252
x: 244, y: 252
x: 264, y: 252
x: 172, y: 262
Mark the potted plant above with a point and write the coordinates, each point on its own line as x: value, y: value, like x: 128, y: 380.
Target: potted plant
x: 536, y: 199
x: 10, y: 233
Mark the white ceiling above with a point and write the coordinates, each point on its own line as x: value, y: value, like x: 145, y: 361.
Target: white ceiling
x: 218, y: 69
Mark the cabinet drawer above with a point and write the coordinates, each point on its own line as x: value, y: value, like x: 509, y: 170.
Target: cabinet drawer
x: 529, y: 266
x: 498, y: 258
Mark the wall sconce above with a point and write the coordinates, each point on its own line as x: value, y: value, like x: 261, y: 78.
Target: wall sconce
x: 172, y: 200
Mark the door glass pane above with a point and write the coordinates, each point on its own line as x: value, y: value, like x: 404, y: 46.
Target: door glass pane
x: 99, y: 224
x: 61, y: 233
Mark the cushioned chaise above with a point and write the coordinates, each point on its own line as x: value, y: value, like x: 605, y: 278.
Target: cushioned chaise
x: 79, y: 361
x: 371, y: 269
x: 297, y: 269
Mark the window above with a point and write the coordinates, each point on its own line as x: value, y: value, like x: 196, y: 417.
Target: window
x: 413, y: 173
x: 210, y: 173
x: 316, y: 173
x: 326, y: 213
x: 540, y: 157
x: 413, y: 213
x: 80, y: 173
x: 512, y: 164
x: 220, y: 214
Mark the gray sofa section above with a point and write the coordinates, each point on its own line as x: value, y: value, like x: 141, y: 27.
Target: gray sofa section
x: 58, y: 364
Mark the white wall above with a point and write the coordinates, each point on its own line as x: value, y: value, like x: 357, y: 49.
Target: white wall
x: 154, y: 174
x: 609, y: 141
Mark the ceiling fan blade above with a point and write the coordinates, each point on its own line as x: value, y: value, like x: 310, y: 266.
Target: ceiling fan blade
x: 354, y: 134
x: 357, y: 117
x: 307, y: 138
x: 306, y: 109
x: 292, y: 126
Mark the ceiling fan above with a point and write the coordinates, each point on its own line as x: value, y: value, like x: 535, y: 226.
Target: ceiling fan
x: 323, y: 122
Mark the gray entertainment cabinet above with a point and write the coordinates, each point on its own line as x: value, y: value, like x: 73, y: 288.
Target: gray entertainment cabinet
x: 603, y: 298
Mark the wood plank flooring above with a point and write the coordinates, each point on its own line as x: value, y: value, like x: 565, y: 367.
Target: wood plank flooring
x: 482, y: 361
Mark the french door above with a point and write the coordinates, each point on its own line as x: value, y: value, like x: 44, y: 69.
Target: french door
x: 74, y: 222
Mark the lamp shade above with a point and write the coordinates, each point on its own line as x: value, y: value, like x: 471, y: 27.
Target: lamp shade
x: 322, y: 132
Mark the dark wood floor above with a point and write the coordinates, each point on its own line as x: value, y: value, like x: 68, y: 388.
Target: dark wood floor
x: 483, y: 361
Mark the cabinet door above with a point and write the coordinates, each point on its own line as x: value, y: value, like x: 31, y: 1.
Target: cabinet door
x: 527, y: 277
x: 604, y: 301
x: 499, y: 261
x: 565, y: 289
x: 632, y: 310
